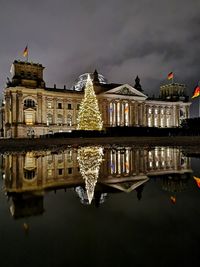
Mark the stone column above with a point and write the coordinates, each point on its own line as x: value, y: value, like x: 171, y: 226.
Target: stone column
x: 136, y: 113
x: 145, y: 114
x: 7, y: 108
x: 114, y: 116
x: 13, y: 107
x: 44, y: 108
x: 39, y: 108
x: 131, y: 114
x: 54, y: 111
x: 19, y: 107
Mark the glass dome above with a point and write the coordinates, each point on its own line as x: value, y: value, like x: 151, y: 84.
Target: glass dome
x: 81, y: 81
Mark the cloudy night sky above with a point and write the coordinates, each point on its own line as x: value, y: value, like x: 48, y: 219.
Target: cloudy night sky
x: 121, y: 38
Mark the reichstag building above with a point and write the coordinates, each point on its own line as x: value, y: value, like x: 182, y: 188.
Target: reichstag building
x: 31, y: 108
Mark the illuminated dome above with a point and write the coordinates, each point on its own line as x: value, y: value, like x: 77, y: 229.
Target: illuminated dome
x: 81, y: 81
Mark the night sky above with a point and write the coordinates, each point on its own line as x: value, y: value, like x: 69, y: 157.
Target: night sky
x: 121, y: 38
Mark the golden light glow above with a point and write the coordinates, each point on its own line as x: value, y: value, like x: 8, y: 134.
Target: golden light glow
x: 89, y: 116
x: 89, y: 159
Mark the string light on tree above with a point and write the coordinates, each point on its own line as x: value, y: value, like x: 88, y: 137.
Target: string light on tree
x: 89, y: 159
x: 89, y: 116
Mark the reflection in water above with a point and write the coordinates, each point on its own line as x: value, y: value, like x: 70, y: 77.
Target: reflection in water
x: 89, y: 159
x: 197, y: 179
x: 28, y: 176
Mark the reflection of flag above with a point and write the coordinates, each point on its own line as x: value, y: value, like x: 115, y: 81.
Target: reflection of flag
x: 197, y: 181
x: 173, y: 200
x: 170, y: 76
x: 111, y: 110
x: 196, y: 92
x: 126, y: 109
x: 25, y: 53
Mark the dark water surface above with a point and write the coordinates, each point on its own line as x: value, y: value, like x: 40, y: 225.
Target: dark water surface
x: 144, y: 210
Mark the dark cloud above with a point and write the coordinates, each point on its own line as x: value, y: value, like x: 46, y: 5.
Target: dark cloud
x: 121, y: 38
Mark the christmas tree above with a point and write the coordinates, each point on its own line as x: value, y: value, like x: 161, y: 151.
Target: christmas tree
x: 89, y: 159
x: 89, y: 116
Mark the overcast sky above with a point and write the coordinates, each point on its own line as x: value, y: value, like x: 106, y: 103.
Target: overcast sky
x: 121, y: 38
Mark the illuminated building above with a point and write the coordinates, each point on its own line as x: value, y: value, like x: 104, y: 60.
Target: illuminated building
x: 32, y: 109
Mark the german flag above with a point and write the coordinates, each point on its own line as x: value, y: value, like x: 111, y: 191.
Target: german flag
x: 196, y: 92
x: 170, y: 76
x: 25, y: 53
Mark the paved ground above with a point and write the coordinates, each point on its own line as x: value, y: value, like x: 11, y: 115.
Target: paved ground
x: 39, y: 144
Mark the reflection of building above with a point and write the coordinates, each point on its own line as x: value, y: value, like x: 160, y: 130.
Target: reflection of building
x: 32, y: 109
x: 25, y: 205
x: 123, y: 169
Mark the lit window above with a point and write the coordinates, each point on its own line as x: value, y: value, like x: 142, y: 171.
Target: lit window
x: 49, y: 119
x: 49, y: 104
x: 49, y: 173
x: 60, y: 158
x: 29, y: 118
x: 69, y: 120
x: 150, y: 111
x: 59, y: 119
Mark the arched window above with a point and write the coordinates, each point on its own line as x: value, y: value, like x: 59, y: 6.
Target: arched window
x: 29, y: 103
x: 49, y: 118
x: 29, y: 174
x: 60, y: 119
x: 69, y: 120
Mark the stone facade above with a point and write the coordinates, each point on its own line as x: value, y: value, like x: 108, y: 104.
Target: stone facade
x: 32, y: 109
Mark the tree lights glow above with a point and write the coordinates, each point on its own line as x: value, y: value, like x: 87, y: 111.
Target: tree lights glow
x: 89, y: 159
x: 89, y: 116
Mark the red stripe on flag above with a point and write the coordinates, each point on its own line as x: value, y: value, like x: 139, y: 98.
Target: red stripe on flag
x: 196, y: 92
x: 170, y: 76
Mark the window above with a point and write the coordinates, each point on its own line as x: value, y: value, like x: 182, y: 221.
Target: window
x: 60, y: 158
x: 78, y: 106
x: 69, y: 170
x: 29, y: 103
x: 49, y: 104
x: 59, y: 119
x: 60, y: 171
x: 49, y: 172
x: 29, y: 174
x: 69, y: 106
x: 59, y: 105
x: 49, y: 119
x: 29, y: 118
x: 69, y: 155
x: 69, y: 120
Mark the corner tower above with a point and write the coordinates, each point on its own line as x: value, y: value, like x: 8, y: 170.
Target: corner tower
x: 26, y: 74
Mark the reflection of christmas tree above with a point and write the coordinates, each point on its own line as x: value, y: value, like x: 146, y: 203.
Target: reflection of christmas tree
x: 89, y: 116
x: 90, y: 159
